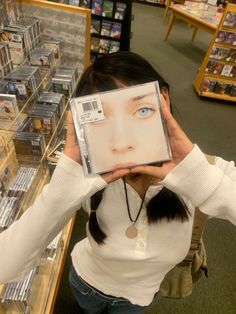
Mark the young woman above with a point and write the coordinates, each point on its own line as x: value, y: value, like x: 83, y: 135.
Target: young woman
x: 141, y: 218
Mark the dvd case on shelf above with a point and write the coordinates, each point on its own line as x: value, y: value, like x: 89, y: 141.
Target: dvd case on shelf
x: 8, y: 106
x: 104, y: 46
x: 120, y: 11
x: 116, y: 30
x: 230, y: 19
x: 121, y: 126
x: 106, y: 28
x: 114, y: 46
x: 107, y: 10
x: 95, y: 26
x: 97, y: 7
x: 85, y: 3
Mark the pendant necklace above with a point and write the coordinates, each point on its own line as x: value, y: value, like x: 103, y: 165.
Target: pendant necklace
x: 131, y: 232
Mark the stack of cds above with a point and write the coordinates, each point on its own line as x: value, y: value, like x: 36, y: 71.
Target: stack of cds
x: 44, y: 119
x: 23, y: 82
x: 55, y: 45
x: 8, y: 106
x: 42, y: 57
x: 10, y: 203
x: 29, y: 146
x: 64, y: 80
x: 22, y: 182
x: 6, y: 65
x: 53, y: 99
x: 18, y: 293
x: 22, y: 37
x: 9, y: 207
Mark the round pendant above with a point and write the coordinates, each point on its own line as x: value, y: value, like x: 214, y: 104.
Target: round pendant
x: 131, y: 232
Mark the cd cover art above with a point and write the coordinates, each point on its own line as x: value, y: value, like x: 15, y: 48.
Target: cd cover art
x: 119, y: 127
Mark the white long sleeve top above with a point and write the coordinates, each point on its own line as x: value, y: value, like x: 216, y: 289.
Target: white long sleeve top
x: 122, y: 267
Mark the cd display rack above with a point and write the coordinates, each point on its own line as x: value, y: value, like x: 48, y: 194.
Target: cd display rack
x: 37, y: 294
x: 110, y: 25
x: 216, y: 77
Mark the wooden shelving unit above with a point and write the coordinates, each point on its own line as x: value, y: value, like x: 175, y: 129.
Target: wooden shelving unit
x: 216, y: 77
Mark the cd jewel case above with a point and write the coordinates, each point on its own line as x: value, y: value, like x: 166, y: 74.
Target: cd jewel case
x: 121, y: 126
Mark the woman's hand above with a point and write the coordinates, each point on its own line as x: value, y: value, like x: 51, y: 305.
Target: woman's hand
x: 180, y: 146
x: 71, y: 147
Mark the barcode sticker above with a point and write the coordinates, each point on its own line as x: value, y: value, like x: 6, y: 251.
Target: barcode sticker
x: 90, y: 109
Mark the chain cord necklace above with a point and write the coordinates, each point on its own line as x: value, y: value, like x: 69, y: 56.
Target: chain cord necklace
x: 131, y: 232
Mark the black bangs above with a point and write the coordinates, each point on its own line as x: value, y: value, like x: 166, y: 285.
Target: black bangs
x: 113, y: 70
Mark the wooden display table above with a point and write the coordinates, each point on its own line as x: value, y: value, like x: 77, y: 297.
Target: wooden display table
x: 198, y: 15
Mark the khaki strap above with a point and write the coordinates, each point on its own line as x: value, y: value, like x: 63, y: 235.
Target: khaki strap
x: 200, y: 220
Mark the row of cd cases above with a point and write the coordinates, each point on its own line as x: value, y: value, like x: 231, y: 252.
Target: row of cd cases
x: 27, y: 67
x: 20, y: 296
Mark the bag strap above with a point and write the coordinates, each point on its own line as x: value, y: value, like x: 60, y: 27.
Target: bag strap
x: 200, y: 220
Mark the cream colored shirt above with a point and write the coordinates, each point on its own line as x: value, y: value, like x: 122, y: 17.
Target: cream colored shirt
x: 129, y: 268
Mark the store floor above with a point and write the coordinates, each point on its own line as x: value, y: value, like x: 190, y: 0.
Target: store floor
x: 209, y: 123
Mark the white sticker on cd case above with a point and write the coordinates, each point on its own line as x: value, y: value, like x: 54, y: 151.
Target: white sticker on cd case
x: 90, y: 109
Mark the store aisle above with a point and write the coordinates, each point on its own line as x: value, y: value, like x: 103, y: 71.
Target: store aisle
x: 209, y: 123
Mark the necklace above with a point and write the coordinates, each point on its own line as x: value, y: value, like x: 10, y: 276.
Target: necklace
x: 131, y: 232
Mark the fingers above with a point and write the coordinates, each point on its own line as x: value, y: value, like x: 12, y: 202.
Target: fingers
x: 149, y: 170
x: 115, y: 175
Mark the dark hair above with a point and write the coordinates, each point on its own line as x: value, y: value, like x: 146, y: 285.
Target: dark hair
x: 103, y: 75
x: 125, y: 67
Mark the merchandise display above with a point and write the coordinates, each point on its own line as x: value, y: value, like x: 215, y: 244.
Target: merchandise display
x: 217, y: 75
x: 32, y: 118
x: 22, y: 36
x: 22, y: 82
x: 39, y: 71
x: 17, y: 294
x: 110, y: 25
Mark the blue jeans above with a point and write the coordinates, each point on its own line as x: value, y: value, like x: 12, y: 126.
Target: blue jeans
x: 93, y: 301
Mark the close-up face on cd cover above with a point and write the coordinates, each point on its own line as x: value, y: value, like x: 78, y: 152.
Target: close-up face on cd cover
x: 119, y: 127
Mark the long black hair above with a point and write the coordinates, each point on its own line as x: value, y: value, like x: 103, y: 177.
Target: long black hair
x: 103, y: 75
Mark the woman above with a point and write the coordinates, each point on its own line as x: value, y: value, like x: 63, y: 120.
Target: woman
x: 138, y: 227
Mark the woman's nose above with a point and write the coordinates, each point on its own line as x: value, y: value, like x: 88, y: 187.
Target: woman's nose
x: 121, y: 141
x: 122, y: 148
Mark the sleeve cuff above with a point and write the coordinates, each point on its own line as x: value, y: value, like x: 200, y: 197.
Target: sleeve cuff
x: 194, y: 178
x: 68, y: 168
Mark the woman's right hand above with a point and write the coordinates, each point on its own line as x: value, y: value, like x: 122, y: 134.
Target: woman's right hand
x: 71, y: 147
